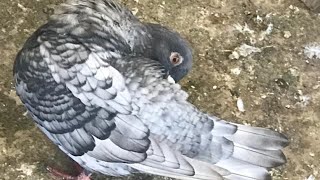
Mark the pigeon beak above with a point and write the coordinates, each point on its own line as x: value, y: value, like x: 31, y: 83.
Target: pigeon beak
x: 171, y: 80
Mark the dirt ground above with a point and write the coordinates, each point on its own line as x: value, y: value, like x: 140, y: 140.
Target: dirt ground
x: 278, y: 84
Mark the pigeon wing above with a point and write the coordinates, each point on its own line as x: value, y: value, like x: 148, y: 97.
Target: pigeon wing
x: 78, y: 99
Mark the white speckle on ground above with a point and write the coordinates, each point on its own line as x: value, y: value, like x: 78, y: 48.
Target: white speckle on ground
x: 13, y: 95
x: 236, y: 71
x: 312, y: 50
x: 311, y: 177
x: 244, y: 51
x: 287, y: 34
x: 243, y: 29
x: 311, y: 154
x: 267, y: 32
x: 135, y: 11
x: 27, y: 169
x: 240, y: 105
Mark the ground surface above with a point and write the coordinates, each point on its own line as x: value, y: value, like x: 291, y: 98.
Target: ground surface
x: 279, y: 85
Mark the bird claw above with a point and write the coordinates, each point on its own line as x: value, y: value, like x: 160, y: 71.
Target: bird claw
x: 65, y: 176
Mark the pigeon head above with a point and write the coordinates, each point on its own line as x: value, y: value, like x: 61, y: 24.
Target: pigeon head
x: 171, y: 50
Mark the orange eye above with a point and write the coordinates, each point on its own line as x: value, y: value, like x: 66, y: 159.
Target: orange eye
x: 175, y: 58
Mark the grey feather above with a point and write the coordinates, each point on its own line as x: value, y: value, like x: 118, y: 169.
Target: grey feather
x: 94, y: 79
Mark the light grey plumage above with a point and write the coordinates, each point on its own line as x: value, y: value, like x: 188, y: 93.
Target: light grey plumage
x: 95, y: 85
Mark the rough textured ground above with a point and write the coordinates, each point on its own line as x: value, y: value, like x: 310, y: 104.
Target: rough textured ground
x: 279, y: 85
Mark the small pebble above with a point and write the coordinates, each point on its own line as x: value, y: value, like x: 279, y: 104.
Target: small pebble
x: 234, y: 55
x: 287, y: 34
x: 311, y: 177
x: 240, y: 105
x: 236, y: 71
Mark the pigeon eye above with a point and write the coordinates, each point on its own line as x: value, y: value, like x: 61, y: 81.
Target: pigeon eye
x: 175, y: 58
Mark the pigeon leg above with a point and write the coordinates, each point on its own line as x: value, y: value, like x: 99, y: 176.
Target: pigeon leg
x: 83, y: 174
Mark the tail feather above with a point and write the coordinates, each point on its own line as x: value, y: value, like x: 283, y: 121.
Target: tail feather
x: 257, y: 146
x: 264, y: 158
x: 245, y: 152
x: 223, y: 128
x: 237, y: 177
x: 233, y: 152
x: 242, y: 170
x: 258, y: 138
x: 231, y: 169
x: 204, y: 173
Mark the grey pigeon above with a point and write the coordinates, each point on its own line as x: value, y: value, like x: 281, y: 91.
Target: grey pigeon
x: 98, y: 83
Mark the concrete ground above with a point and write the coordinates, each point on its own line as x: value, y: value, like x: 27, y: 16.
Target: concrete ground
x: 251, y: 50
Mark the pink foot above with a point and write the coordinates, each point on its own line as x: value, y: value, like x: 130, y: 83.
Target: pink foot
x: 62, y: 175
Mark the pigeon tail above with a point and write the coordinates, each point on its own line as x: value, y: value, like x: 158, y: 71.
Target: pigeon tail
x: 246, y: 152
x: 228, y: 151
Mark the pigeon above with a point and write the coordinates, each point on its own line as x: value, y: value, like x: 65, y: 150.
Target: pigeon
x: 103, y: 87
